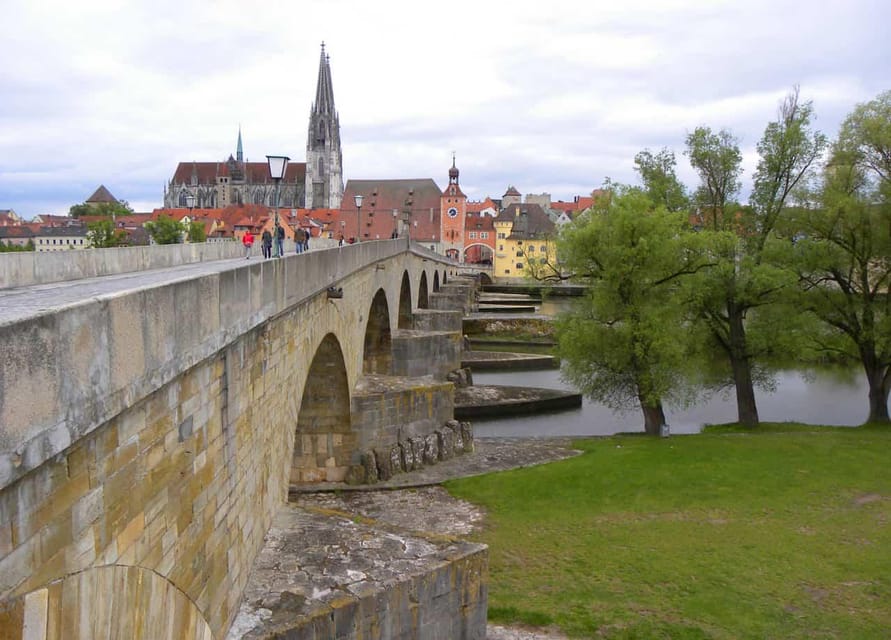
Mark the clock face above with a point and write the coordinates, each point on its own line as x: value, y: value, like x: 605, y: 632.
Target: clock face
x: 453, y: 212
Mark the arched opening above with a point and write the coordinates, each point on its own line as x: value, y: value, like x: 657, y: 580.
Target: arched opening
x: 378, y: 354
x: 485, y: 279
x: 405, y: 303
x: 112, y: 601
x: 478, y: 253
x: 324, y: 446
x: 422, y: 292
x: 435, y: 281
x: 444, y: 276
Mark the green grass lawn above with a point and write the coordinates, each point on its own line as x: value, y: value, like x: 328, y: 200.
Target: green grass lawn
x: 780, y: 533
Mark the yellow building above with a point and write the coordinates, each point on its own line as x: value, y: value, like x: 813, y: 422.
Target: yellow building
x: 524, y: 241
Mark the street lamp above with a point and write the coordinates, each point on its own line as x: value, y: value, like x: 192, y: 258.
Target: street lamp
x: 395, y: 223
x: 358, y: 199
x: 277, y: 166
x: 190, y: 203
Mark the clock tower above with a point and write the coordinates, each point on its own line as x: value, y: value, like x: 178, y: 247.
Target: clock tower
x: 452, y: 213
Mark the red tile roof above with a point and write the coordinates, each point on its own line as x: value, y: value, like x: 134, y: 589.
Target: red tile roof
x: 254, y: 172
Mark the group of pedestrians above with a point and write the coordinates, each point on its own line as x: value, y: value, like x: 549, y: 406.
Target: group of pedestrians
x: 276, y: 238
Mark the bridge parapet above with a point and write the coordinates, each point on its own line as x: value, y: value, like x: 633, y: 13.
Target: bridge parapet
x: 70, y: 368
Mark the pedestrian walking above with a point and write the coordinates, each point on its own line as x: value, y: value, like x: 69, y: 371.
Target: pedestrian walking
x: 306, y: 234
x: 247, y: 240
x: 266, y: 244
x: 299, y: 239
x: 279, y: 240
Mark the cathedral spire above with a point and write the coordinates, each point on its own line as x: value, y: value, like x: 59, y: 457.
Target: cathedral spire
x: 324, y: 103
x: 239, y: 154
x: 324, y: 162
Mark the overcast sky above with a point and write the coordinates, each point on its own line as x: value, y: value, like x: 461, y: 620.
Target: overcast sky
x: 550, y: 96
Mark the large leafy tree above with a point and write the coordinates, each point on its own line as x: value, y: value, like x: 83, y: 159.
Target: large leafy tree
x: 627, y: 344
x: 165, y: 230
x: 732, y: 298
x: 102, y: 234
x: 660, y: 180
x: 120, y: 208
x: 196, y: 232
x: 842, y: 250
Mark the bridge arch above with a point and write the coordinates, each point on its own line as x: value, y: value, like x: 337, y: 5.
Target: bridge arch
x: 405, y: 318
x: 108, y: 601
x: 423, y: 302
x: 435, y: 281
x: 324, y: 441
x: 377, y: 352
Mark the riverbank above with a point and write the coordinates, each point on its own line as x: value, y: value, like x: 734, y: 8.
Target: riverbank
x: 781, y: 532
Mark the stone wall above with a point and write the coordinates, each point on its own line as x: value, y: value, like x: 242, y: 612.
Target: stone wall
x: 177, y: 450
x: 22, y: 269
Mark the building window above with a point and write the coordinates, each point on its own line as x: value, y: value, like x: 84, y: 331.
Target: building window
x: 507, y: 270
x: 501, y: 235
x: 484, y: 235
x: 519, y: 266
x: 501, y: 247
x: 531, y: 247
x: 544, y: 248
x: 473, y: 235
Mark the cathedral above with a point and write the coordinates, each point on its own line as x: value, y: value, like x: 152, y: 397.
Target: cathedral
x: 314, y: 184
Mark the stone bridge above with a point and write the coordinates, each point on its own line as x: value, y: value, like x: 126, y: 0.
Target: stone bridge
x: 151, y: 424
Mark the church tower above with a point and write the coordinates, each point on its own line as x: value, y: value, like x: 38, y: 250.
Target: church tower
x: 324, y: 161
x: 452, y: 214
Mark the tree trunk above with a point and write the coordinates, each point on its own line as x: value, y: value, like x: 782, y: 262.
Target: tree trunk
x: 878, y: 394
x: 747, y: 410
x: 654, y: 417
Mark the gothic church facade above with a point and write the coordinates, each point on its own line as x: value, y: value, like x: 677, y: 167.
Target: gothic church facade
x: 314, y: 184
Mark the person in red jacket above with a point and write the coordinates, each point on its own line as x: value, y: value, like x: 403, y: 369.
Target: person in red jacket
x: 248, y: 241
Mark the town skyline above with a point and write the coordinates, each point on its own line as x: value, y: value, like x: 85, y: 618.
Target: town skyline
x: 551, y: 103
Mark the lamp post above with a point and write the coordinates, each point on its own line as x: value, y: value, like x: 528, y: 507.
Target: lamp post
x: 190, y: 204
x: 358, y: 199
x: 395, y: 223
x: 277, y: 166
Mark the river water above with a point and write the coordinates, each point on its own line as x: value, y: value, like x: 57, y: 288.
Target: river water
x: 829, y: 396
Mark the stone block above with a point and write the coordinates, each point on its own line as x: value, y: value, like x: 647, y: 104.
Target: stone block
x: 446, y: 440
x: 467, y: 436
x: 397, y: 459
x: 369, y: 461
x: 384, y: 464
x: 431, y: 449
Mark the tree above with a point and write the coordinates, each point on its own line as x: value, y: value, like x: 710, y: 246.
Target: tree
x: 842, y: 249
x: 732, y: 297
x: 660, y: 182
x: 102, y: 234
x: 111, y: 209
x: 627, y: 344
x: 196, y: 232
x: 717, y: 160
x: 165, y: 230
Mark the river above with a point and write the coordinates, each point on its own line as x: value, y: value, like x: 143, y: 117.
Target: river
x: 829, y: 396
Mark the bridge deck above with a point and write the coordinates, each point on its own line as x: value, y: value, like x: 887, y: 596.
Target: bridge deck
x: 22, y: 303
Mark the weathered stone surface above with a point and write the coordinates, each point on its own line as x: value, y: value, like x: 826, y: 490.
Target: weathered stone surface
x: 467, y: 436
x: 397, y: 459
x: 431, y: 449
x: 414, y: 451
x: 321, y: 576
x: 460, y: 377
x: 384, y: 464
x: 445, y: 439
